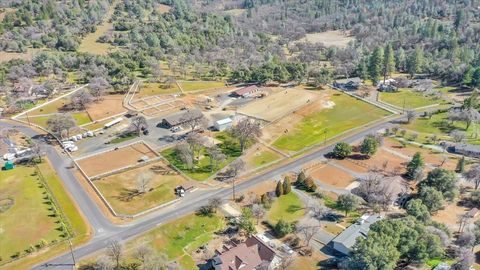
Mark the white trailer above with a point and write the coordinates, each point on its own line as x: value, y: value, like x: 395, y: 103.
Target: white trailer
x: 113, y: 122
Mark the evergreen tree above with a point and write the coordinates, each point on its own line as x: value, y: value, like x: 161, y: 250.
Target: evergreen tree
x: 388, y: 62
x: 461, y: 165
x: 400, y: 60
x: 287, y: 186
x: 414, y: 164
x: 279, y: 189
x: 415, y: 62
x: 362, y: 70
x: 369, y: 146
x: 342, y: 150
x: 375, y: 64
x: 347, y: 203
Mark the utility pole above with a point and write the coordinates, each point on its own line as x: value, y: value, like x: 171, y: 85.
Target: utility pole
x: 233, y: 189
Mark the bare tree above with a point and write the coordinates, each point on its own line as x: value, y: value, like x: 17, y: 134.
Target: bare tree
x: 59, y: 123
x: 195, y: 141
x: 465, y: 259
x: 458, y: 136
x: 258, y: 212
x: 215, y: 203
x: 308, y: 232
x: 185, y: 154
x: 216, y: 157
x: 233, y: 171
x: 193, y: 119
x: 36, y: 149
x: 246, y: 130
x: 411, y: 115
x: 98, y: 86
x: 115, y: 252
x: 138, y: 124
x: 143, y: 180
x: 81, y: 99
x: 473, y: 175
x: 143, y: 253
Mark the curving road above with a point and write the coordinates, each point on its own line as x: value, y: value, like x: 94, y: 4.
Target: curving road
x: 105, y: 231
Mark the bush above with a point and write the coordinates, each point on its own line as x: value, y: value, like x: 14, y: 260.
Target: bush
x: 282, y: 228
x: 310, y: 185
x: 206, y: 211
x: 342, y: 150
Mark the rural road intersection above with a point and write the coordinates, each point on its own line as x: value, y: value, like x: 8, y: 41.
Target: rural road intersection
x: 105, y: 231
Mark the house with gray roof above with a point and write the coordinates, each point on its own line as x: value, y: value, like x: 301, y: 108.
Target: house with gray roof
x: 345, y: 240
x: 468, y: 150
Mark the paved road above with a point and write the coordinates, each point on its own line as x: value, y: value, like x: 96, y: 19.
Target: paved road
x: 105, y: 231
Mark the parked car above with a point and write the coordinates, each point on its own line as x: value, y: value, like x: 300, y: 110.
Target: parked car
x: 285, y: 248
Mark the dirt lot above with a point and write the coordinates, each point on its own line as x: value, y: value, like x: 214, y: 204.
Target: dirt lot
x: 164, y: 109
x: 430, y: 157
x: 450, y: 215
x: 382, y: 158
x: 121, y: 190
x: 329, y: 38
x: 115, y: 159
x: 331, y: 175
x: 275, y: 130
x: 277, y: 105
x: 106, y: 107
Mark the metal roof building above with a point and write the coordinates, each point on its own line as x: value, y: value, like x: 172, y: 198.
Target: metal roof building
x: 344, y: 241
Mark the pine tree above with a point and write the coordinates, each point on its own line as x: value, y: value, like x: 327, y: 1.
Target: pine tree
x: 375, y: 64
x: 362, y: 70
x: 287, y: 186
x: 279, y: 189
x: 461, y: 165
x: 400, y: 60
x: 415, y: 62
x: 412, y: 167
x: 388, y: 62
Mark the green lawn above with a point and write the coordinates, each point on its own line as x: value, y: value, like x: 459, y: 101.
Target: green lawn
x: 123, y: 138
x: 264, y: 157
x: 287, y: 207
x: 202, y: 170
x: 439, y: 125
x: 180, y: 238
x: 347, y: 113
x: 81, y: 118
x: 192, y: 86
x: 411, y: 99
x: 52, y: 107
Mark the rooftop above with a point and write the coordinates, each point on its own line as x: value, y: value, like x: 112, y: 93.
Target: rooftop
x: 224, y: 121
x: 359, y: 229
x: 180, y: 117
x: 246, y: 90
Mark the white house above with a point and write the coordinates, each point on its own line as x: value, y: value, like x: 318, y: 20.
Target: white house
x: 222, y: 124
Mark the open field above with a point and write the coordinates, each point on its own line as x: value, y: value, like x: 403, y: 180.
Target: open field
x: 89, y: 43
x: 121, y: 190
x: 277, y: 105
x: 439, y: 125
x: 329, y: 38
x: 331, y: 175
x: 81, y: 118
x: 287, y: 207
x: 408, y: 99
x: 52, y: 107
x: 450, y: 215
x: 177, y: 239
x: 163, y: 8
x: 260, y: 155
x: 28, y: 55
x: 193, y: 86
x: 115, y: 159
x: 152, y: 89
x: 107, y: 106
x: 316, y: 126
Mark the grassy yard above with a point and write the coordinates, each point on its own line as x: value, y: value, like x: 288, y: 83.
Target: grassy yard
x: 287, y: 207
x: 192, y: 86
x: 347, y: 113
x: 152, y: 89
x: 410, y: 99
x: 121, y: 189
x: 124, y: 137
x: 29, y: 200
x: 202, y: 169
x: 180, y: 238
x: 81, y: 118
x: 439, y: 125
x: 264, y: 157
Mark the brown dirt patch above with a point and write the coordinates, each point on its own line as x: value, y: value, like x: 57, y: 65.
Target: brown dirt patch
x: 163, y: 8
x: 115, y: 159
x: 450, y: 215
x: 276, y: 105
x: 106, y: 107
x: 335, y: 38
x: 392, y: 163
x: 331, y: 175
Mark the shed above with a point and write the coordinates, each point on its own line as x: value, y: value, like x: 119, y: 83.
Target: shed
x: 9, y: 165
x: 223, y: 124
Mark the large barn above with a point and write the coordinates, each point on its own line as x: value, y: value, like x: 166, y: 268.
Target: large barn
x: 245, y: 91
x: 180, y: 118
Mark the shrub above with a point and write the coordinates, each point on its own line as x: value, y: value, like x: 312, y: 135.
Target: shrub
x: 342, y: 150
x: 282, y: 228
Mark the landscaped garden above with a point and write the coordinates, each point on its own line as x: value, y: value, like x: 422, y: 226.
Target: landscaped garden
x: 348, y: 113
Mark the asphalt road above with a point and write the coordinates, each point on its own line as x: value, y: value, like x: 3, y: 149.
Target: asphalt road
x: 106, y: 231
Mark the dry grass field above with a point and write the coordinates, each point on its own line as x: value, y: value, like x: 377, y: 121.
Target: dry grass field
x: 108, y: 106
x: 115, y: 159
x: 28, y: 55
x: 331, y: 175
x: 89, y: 43
x: 121, y: 190
x: 329, y: 38
x: 279, y: 104
x: 163, y: 8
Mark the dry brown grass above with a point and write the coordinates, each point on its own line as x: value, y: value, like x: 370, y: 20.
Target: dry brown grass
x: 331, y: 175
x: 329, y: 38
x: 115, y: 159
x: 163, y: 8
x: 108, y: 106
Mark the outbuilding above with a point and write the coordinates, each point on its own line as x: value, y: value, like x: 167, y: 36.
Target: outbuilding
x: 245, y: 91
x: 222, y: 124
x: 468, y: 150
x: 180, y: 118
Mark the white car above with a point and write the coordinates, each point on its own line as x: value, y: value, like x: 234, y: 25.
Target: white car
x: 79, y: 136
x: 9, y: 156
x: 72, y: 148
x: 89, y: 134
x: 285, y: 248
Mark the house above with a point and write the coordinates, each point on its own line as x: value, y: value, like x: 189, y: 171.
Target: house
x: 387, y: 86
x: 468, y: 150
x: 344, y: 241
x: 180, y: 118
x: 349, y: 84
x: 245, y: 256
x: 222, y: 124
x: 245, y: 91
